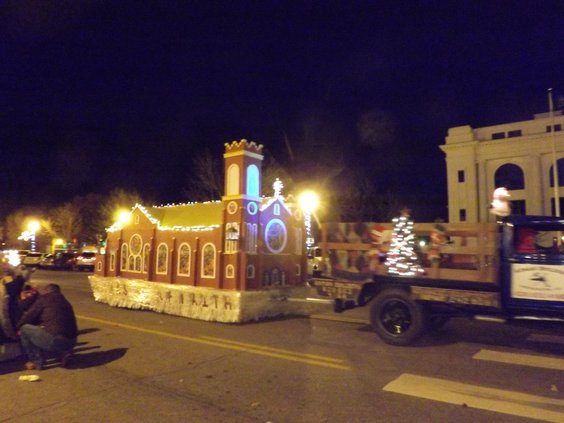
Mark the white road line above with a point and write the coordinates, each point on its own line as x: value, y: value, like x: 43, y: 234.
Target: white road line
x: 483, y: 398
x: 521, y: 359
x: 550, y: 339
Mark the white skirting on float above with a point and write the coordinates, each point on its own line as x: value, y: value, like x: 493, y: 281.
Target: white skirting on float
x: 217, y: 305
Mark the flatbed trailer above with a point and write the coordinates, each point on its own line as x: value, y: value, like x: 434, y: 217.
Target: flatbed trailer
x: 504, y: 279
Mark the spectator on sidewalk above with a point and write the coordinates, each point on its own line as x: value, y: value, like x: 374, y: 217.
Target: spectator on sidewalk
x: 48, y: 327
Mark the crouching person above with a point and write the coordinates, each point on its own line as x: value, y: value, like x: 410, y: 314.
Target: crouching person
x: 48, y: 328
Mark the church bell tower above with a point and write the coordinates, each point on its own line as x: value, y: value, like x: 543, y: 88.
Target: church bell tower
x: 241, y: 204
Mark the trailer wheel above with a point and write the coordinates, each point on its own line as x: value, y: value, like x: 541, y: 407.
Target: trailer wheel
x: 397, y: 318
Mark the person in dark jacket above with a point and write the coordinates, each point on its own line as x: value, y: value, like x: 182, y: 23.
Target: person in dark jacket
x: 48, y: 327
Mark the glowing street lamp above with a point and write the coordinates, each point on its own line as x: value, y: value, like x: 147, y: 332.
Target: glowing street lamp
x: 123, y: 216
x: 309, y: 202
x: 33, y: 227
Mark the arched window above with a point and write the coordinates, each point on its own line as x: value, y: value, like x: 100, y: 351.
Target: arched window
x: 250, y: 271
x: 509, y: 176
x: 208, y: 261
x: 184, y: 254
x: 560, y: 169
x: 230, y: 271
x: 123, y: 262
x: 146, y: 250
x: 233, y: 180
x: 134, y: 259
x: 253, y: 180
x: 162, y: 259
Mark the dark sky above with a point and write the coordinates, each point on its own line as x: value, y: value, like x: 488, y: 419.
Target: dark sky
x: 96, y: 94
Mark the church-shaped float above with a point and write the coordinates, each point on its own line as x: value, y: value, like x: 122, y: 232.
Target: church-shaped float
x: 232, y: 260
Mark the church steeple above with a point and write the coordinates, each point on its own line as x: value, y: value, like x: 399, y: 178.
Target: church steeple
x: 243, y: 168
x: 241, y: 199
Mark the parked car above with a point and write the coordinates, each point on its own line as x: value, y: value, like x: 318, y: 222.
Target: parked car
x: 85, y: 261
x: 64, y: 260
x: 47, y: 261
x: 32, y: 260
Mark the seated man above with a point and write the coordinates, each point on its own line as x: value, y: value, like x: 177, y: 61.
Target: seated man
x: 49, y: 326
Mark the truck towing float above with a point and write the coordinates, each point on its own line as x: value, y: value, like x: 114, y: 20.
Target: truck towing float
x: 510, y: 270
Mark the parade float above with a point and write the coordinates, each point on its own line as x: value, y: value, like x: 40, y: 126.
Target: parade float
x: 235, y: 260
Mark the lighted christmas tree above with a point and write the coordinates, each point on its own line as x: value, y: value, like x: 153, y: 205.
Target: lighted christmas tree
x: 401, y: 259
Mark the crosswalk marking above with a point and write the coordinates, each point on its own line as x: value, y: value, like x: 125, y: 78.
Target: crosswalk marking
x: 521, y: 359
x: 474, y: 396
x: 550, y: 339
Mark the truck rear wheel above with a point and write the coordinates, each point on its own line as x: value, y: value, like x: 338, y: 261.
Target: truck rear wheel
x: 397, y: 318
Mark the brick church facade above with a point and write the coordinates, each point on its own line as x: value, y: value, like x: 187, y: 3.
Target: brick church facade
x: 243, y: 242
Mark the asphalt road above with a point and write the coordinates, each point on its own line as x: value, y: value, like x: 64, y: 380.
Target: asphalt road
x: 139, y: 366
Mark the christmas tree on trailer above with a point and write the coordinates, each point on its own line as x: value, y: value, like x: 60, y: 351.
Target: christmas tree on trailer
x: 401, y: 259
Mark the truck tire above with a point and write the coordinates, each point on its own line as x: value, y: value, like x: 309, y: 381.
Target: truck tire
x: 396, y: 318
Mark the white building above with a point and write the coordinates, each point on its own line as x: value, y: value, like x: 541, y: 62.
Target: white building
x: 518, y: 156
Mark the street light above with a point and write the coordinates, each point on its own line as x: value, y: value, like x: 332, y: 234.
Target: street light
x: 33, y: 226
x: 309, y: 202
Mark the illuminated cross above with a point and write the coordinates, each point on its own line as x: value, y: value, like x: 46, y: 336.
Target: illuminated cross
x: 277, y: 185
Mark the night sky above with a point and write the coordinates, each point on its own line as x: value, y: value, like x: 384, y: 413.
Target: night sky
x: 99, y: 94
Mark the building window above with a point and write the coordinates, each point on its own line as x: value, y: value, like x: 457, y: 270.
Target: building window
x: 275, y: 236
x: 162, y: 259
x: 208, y: 261
x: 233, y: 180
x: 552, y: 207
x: 250, y: 271
x: 123, y: 262
x: 134, y: 259
x: 518, y: 207
x: 251, y: 238
x: 146, y: 250
x: 298, y: 270
x: 277, y: 210
x: 498, y: 135
x: 184, y: 254
x: 253, y: 180
x: 557, y: 128
x: 112, y: 261
x: 229, y: 271
x: 136, y: 219
x: 462, y: 215
x: 514, y: 133
x: 460, y: 176
x: 560, y: 170
x: 231, y: 237
x: 509, y: 176
x: 99, y: 266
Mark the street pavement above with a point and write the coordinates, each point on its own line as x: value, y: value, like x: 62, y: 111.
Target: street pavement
x: 136, y: 366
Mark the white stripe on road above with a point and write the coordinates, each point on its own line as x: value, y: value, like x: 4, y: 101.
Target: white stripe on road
x: 550, y: 339
x: 483, y: 398
x: 521, y: 359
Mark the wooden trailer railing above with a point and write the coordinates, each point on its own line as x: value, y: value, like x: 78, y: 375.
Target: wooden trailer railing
x: 470, y: 252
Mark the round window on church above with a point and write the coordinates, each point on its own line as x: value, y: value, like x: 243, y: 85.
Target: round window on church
x: 135, y: 244
x: 252, y: 208
x: 275, y: 236
x: 232, y: 207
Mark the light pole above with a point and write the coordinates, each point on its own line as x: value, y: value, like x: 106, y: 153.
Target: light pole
x: 309, y: 202
x: 33, y: 226
x: 556, y: 182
